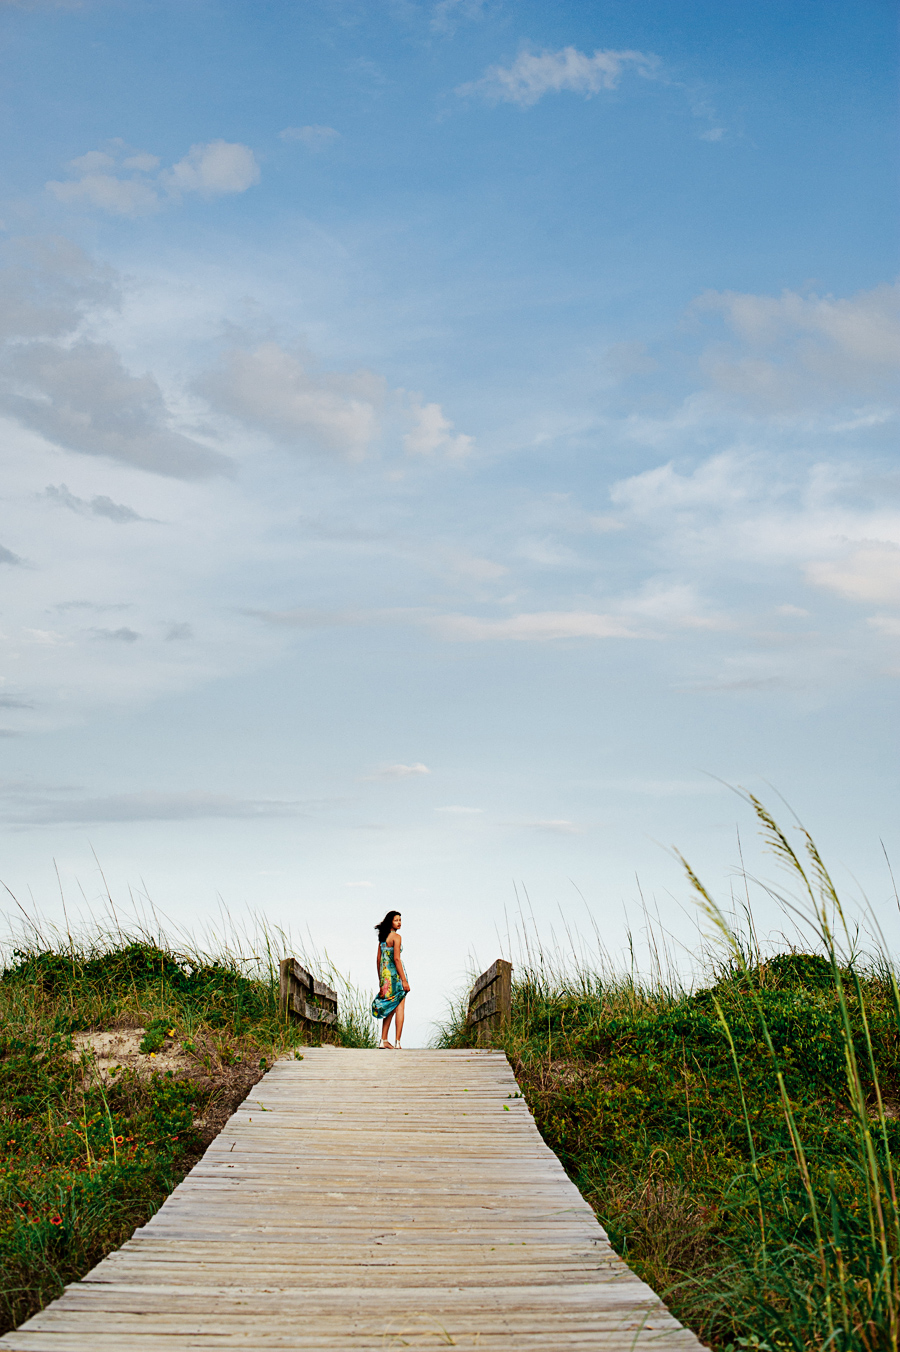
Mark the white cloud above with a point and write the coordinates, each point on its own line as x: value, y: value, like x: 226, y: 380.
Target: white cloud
x: 798, y: 349
x: 533, y: 74
x: 536, y: 627
x: 400, y: 771
x: 431, y: 434
x: 737, y: 509
x: 721, y: 481
x: 675, y: 604
x: 118, y: 196
x: 211, y: 170
x: 359, y: 884
x: 870, y: 573
x: 315, y: 138
x: 275, y: 391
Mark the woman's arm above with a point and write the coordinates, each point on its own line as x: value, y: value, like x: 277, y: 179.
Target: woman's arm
x: 378, y: 962
x: 398, y: 961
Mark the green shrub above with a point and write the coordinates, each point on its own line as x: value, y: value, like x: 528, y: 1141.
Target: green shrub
x: 83, y: 1160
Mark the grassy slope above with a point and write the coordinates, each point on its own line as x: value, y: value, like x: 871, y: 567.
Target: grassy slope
x: 83, y: 1163
x: 739, y: 1143
x: 639, y: 1098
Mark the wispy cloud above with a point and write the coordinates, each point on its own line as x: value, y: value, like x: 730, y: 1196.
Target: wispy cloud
x: 534, y: 74
x: 301, y: 618
x: 798, y: 350
x: 447, y: 15
x: 97, y: 506
x: 281, y: 394
x: 80, y: 395
x: 539, y: 626
x: 868, y: 572
x: 554, y: 826
x: 132, y: 184
x: 314, y: 137
x: 150, y: 806
x: 287, y: 395
x: 122, y: 635
x: 399, y: 771
x: 432, y: 433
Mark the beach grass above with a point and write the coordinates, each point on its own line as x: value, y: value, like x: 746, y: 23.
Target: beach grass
x: 738, y: 1138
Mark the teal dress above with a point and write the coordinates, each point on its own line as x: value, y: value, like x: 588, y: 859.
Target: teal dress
x: 382, y: 1006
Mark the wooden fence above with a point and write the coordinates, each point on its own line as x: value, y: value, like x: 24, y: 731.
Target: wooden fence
x: 301, y: 996
x: 490, y: 1000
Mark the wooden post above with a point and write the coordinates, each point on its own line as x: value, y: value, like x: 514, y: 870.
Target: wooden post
x: 301, y: 996
x: 490, y: 1000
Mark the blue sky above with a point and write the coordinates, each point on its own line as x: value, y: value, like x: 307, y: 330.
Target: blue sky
x: 441, y: 441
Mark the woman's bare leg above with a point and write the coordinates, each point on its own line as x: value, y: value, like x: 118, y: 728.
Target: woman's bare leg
x: 386, y: 1027
x: 398, y: 1020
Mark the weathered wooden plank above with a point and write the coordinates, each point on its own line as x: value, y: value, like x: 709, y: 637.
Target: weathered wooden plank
x: 295, y: 983
x: 357, y: 1201
x: 486, y: 978
x: 490, y: 1000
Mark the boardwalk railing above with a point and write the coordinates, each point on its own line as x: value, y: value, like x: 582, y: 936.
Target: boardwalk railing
x: 301, y: 996
x: 490, y: 1000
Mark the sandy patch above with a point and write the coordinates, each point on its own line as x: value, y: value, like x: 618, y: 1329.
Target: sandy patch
x: 117, y: 1050
x: 224, y: 1081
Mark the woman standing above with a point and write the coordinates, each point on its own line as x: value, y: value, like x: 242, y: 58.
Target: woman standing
x: 393, y: 984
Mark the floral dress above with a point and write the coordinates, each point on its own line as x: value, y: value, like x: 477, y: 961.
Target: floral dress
x: 382, y: 1006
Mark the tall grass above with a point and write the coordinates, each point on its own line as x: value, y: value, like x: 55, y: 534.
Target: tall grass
x: 83, y: 1158
x: 739, y: 1141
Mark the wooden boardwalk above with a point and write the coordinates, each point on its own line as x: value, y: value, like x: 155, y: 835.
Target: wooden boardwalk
x: 363, y: 1199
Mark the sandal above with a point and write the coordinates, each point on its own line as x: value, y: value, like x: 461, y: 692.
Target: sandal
x: 384, y: 1045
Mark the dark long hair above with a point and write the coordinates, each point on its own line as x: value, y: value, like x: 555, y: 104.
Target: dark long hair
x: 384, y: 928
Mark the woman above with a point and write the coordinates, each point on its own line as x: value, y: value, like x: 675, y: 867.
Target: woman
x: 388, y: 1003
